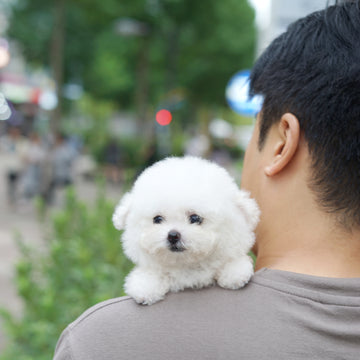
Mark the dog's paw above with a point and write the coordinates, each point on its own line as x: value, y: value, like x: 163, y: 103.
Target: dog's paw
x: 144, y: 287
x: 236, y: 274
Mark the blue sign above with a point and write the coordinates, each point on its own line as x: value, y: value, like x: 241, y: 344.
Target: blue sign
x: 237, y: 95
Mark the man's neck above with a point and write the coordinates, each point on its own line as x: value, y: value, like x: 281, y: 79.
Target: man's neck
x: 332, y: 256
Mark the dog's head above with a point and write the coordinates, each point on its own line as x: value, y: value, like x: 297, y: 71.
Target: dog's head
x: 181, y: 210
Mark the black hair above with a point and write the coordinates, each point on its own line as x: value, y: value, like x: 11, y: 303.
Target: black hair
x: 313, y: 71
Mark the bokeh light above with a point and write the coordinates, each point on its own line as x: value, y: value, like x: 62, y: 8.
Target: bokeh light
x: 163, y: 117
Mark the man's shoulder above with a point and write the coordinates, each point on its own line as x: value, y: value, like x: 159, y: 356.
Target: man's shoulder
x: 217, y: 323
x: 104, y: 308
x: 183, y: 320
x: 125, y: 309
x: 120, y: 322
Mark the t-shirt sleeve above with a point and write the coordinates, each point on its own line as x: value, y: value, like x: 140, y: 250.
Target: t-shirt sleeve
x: 63, y: 347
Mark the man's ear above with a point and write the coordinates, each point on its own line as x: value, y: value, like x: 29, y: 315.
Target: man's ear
x: 288, y: 134
x: 121, y: 211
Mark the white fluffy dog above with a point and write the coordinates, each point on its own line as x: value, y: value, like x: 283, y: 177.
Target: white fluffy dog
x: 186, y: 225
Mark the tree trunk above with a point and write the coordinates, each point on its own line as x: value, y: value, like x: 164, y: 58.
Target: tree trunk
x: 57, y: 60
x: 142, y: 87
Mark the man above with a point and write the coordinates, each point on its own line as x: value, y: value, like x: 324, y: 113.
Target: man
x: 14, y: 146
x: 303, y: 168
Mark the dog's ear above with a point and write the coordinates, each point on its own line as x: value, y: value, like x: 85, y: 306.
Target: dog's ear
x: 121, y: 211
x: 249, y: 208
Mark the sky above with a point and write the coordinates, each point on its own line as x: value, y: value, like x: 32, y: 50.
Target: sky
x: 262, y: 8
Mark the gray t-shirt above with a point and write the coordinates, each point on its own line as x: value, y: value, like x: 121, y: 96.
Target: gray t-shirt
x: 278, y: 315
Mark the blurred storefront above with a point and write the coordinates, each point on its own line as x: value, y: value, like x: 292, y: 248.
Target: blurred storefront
x: 22, y: 92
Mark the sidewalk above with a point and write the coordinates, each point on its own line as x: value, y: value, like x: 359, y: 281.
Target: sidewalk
x: 24, y: 222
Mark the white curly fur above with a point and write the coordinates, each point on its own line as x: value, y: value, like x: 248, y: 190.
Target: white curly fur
x: 213, y: 251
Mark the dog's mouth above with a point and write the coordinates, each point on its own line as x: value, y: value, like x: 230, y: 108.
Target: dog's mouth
x: 174, y: 240
x: 178, y: 247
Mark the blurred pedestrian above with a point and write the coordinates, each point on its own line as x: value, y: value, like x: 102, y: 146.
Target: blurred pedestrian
x: 33, y: 164
x: 113, y: 159
x: 62, y: 159
x: 14, y: 145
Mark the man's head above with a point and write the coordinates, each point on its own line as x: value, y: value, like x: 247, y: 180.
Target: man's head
x: 313, y: 72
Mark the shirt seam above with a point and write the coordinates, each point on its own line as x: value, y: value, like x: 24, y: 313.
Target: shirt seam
x: 97, y: 308
x: 301, y: 296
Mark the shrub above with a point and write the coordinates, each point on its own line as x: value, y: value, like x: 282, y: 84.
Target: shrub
x: 82, y: 264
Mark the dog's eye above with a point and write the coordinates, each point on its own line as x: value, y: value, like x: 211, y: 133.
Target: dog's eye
x: 195, y: 219
x: 158, y: 219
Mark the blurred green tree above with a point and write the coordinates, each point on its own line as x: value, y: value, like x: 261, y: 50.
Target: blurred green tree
x: 190, y: 45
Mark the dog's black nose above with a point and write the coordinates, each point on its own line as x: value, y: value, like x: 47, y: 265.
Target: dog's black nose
x: 173, y: 236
